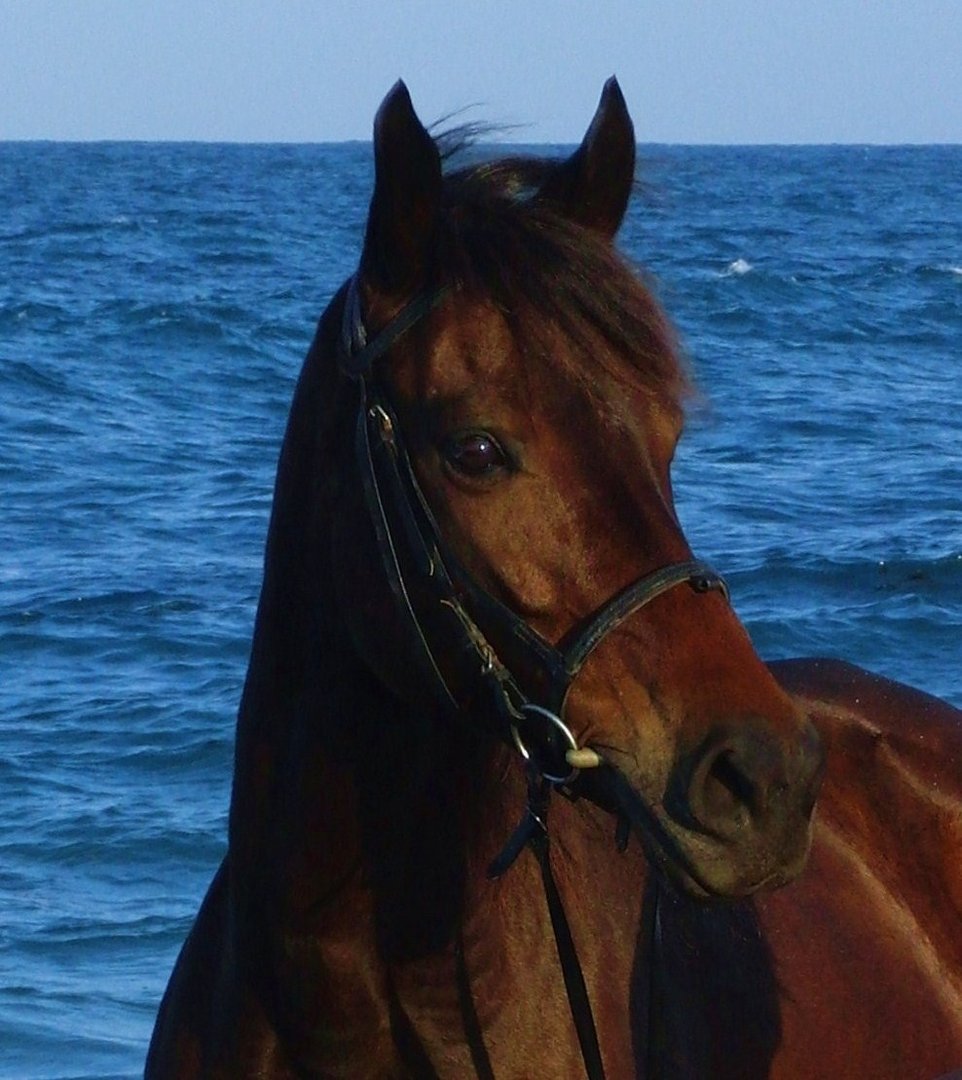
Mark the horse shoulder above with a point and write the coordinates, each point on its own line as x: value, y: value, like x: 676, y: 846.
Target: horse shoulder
x: 893, y: 785
x: 894, y: 762
x: 866, y: 942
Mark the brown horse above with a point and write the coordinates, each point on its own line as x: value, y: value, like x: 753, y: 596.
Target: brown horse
x: 477, y: 594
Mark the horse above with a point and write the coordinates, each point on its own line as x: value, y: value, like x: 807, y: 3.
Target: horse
x: 514, y: 795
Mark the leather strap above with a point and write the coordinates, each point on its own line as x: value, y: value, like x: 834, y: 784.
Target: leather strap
x: 357, y: 352
x: 578, y: 1000
x: 469, y: 1015
x: 699, y: 575
x: 390, y: 559
x: 400, y: 513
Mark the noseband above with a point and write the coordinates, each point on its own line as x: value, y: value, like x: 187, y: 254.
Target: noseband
x: 444, y: 608
x: 505, y: 671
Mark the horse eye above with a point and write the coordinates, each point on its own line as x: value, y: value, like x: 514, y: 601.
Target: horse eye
x: 475, y: 454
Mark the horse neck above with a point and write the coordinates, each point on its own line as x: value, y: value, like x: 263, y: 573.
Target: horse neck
x: 339, y: 781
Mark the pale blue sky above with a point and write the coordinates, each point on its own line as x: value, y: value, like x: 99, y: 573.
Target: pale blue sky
x: 292, y: 70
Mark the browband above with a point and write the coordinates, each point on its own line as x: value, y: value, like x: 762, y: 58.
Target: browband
x: 357, y: 352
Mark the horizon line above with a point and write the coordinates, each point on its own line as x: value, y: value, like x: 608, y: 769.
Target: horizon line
x: 698, y: 144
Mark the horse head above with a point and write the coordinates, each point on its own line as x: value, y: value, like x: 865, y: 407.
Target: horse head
x: 507, y: 547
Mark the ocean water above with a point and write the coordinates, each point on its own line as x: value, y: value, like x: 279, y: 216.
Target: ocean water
x: 155, y: 304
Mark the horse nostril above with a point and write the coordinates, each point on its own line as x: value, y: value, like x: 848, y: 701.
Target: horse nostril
x: 727, y: 788
x: 731, y: 785
x: 748, y: 782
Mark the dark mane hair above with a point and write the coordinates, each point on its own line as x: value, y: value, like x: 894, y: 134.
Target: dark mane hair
x: 500, y: 241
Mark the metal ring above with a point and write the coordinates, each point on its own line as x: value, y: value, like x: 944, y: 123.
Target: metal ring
x: 560, y: 725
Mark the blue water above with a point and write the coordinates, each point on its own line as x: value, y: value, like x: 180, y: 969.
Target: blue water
x: 155, y: 304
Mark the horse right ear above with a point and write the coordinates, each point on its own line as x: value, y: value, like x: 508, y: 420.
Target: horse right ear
x: 402, y: 221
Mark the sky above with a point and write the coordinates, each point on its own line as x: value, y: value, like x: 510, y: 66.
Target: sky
x: 693, y: 71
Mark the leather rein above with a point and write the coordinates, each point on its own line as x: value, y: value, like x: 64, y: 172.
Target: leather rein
x: 443, y: 610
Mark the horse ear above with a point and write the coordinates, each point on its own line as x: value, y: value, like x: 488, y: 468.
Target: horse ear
x: 404, y: 210
x: 593, y: 186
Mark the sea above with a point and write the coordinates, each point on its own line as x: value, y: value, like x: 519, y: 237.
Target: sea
x: 156, y: 301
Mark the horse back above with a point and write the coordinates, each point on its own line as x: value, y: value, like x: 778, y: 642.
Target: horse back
x: 866, y: 943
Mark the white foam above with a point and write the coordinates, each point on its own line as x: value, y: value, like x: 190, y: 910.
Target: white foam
x: 738, y: 268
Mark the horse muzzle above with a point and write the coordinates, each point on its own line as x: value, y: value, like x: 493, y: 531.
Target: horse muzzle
x: 736, y: 814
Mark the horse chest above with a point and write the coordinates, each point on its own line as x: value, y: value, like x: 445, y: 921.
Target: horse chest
x: 500, y: 983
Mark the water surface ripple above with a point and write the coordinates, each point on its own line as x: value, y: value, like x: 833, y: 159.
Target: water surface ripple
x: 155, y: 304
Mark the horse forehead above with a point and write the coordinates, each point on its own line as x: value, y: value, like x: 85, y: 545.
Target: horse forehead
x: 472, y: 346
x: 475, y: 354
x: 471, y: 354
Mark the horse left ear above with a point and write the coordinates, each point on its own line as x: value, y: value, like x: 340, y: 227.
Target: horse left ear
x: 593, y: 186
x: 402, y: 222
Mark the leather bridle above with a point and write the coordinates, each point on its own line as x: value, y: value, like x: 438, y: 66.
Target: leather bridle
x: 480, y: 658
x: 432, y: 590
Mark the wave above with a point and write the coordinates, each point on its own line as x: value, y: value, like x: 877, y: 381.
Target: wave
x: 826, y: 278
x: 738, y: 268
x: 857, y: 571
x: 33, y: 312
x: 152, y: 322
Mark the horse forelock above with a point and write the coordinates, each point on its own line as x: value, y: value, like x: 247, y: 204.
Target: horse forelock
x: 548, y: 276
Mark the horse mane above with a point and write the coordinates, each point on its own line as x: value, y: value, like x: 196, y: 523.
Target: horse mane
x: 705, y: 998
x: 499, y: 241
